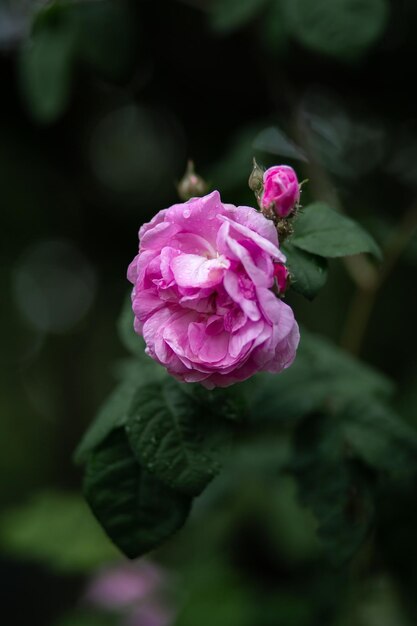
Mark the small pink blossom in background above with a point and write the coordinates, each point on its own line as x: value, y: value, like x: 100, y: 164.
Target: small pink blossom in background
x: 202, y: 293
x: 117, y: 587
x: 281, y: 190
x: 135, y: 592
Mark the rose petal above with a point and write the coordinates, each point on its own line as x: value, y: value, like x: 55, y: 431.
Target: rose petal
x: 191, y: 270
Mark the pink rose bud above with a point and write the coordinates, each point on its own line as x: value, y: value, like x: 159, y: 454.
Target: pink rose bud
x: 203, y: 295
x: 191, y: 185
x: 281, y: 190
x: 281, y: 276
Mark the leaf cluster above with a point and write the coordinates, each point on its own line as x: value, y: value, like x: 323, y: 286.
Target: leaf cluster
x: 320, y: 234
x: 154, y: 446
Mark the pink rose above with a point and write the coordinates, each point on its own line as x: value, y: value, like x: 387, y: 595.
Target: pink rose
x: 281, y: 190
x: 202, y: 294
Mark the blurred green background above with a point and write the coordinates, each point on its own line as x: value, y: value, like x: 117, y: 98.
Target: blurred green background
x: 102, y: 102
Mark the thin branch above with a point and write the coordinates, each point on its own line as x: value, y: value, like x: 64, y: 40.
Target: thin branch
x: 363, y: 302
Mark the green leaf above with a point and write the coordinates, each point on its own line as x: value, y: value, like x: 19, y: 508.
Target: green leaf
x: 99, y: 34
x: 308, y: 271
x: 176, y: 435
x: 137, y: 511
x: 112, y: 415
x: 56, y: 529
x: 333, y: 486
x: 46, y: 70
x: 230, y: 15
x: 381, y: 438
x: 344, y: 29
x: 341, y: 456
x: 322, y: 231
x: 321, y: 375
x: 133, y: 373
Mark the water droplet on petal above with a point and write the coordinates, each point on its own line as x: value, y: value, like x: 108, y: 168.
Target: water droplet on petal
x: 187, y: 213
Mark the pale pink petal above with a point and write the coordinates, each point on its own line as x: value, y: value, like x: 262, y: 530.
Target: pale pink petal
x: 193, y: 244
x: 214, y: 348
x: 198, y: 216
x: 262, y: 242
x: 191, y: 270
x: 254, y: 220
x: 167, y: 255
x: 196, y: 336
x: 157, y: 219
x: 146, y: 303
x: 259, y: 276
x: 245, y: 336
x: 158, y: 237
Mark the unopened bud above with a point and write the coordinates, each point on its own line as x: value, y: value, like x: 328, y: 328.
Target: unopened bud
x: 255, y: 181
x: 191, y: 185
x: 281, y: 191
